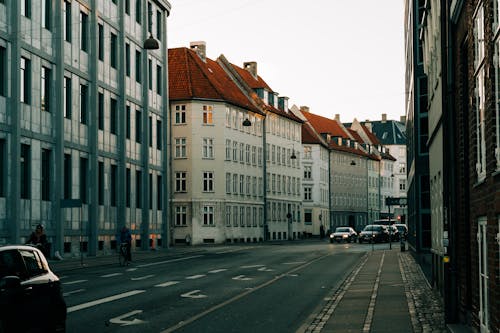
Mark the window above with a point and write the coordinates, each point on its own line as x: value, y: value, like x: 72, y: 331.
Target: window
x: 138, y: 188
x: 228, y: 150
x: 247, y: 154
x: 180, y: 216
x: 402, y: 167
x: 208, y: 215
x: 307, y: 152
x: 307, y: 193
x: 158, y: 24
x: 100, y: 110
x: 127, y: 59
x: 307, y: 172
x: 128, y: 190
x: 158, y: 80
x: 208, y: 181
x: 45, y: 89
x: 479, y: 92
x: 228, y: 183
x: 180, y: 181
x: 100, y: 180
x: 113, y: 185
x: 25, y: 78
x: 208, y: 148
x: 138, y: 126
x: 113, y: 51
x: 3, y: 167
x: 127, y: 7
x: 159, y: 192
x: 100, y: 46
x: 138, y: 66
x: 84, y: 27
x: 150, y: 190
x: 3, y: 71
x: 150, y: 74
x: 402, y: 184
x: 242, y: 184
x: 84, y: 171
x: 150, y: 131
x: 208, y: 115
x: 235, y: 183
x: 307, y: 216
x: 67, y: 21
x: 228, y: 215
x: 46, y: 9
x: 67, y: 176
x: 180, y: 147
x: 138, y: 11
x: 26, y: 8
x: 150, y: 18
x: 235, y: 151
x: 67, y: 97
x: 45, y: 174
x: 83, y: 103
x: 113, y: 115
x: 180, y: 114
x: 127, y: 121
x: 158, y: 135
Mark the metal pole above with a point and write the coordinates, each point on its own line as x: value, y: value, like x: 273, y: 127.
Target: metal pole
x: 390, y: 228
x: 81, y: 236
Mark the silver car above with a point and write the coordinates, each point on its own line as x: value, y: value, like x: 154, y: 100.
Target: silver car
x: 344, y: 234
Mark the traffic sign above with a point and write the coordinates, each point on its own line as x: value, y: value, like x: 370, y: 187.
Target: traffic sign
x: 391, y: 201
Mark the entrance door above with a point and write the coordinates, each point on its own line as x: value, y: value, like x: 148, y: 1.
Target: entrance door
x: 483, y: 274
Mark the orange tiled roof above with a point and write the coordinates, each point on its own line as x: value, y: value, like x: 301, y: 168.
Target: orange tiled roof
x: 309, y: 136
x: 373, y: 138
x: 355, y: 135
x: 191, y: 78
x: 325, y: 125
x: 254, y: 83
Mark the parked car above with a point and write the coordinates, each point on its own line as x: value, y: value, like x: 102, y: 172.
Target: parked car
x: 343, y: 234
x: 31, y: 298
x: 403, y: 230
x: 393, y: 233
x: 374, y: 233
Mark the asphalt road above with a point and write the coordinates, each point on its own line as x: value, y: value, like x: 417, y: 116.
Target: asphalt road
x: 265, y: 288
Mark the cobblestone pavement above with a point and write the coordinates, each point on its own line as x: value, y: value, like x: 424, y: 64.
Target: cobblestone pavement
x: 425, y: 304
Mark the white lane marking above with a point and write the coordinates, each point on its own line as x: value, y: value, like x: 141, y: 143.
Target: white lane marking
x: 242, y: 278
x: 293, y: 275
x: 119, y: 320
x: 73, y: 292
x: 193, y: 294
x: 75, y: 282
x: 142, y: 277
x: 104, y: 300
x: 217, y: 270
x: 110, y: 275
x: 167, y: 261
x: 232, y: 250
x: 166, y: 284
x: 294, y: 263
x: 131, y: 269
x: 194, y: 277
x: 265, y: 269
x: 252, y: 266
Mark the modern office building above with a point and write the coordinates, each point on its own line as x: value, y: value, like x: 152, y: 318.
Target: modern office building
x: 82, y: 122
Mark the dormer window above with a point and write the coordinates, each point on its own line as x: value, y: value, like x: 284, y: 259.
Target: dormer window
x: 270, y: 99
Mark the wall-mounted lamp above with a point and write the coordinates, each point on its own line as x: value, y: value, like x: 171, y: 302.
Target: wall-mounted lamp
x: 293, y: 157
x: 247, y: 122
x: 353, y: 162
x: 151, y: 43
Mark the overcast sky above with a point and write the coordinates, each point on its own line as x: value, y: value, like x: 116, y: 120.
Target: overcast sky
x: 335, y: 56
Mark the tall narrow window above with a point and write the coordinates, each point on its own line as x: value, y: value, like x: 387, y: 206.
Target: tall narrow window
x: 83, y: 103
x: 25, y: 78
x: 158, y: 80
x: 150, y: 74
x: 208, y: 215
x: 138, y: 126
x: 138, y: 189
x: 208, y: 148
x: 45, y: 174
x: 208, y: 181
x: 480, y: 95
x: 150, y: 190
x: 207, y: 114
x: 26, y: 8
x: 67, y: 97
x: 46, y: 13
x: 138, y: 78
x: 67, y: 21
x: 84, y: 171
x: 180, y: 215
x: 67, y: 176
x: 100, y: 180
x: 84, y: 27
x: 127, y: 121
x: 180, y: 181
x: 159, y: 192
x: 180, y: 148
x: 113, y: 115
x: 3, y: 167
x: 158, y: 135
x: 127, y: 187
x: 180, y: 114
x: 158, y: 25
x: 138, y: 11
x: 150, y: 11
x: 100, y: 51
x: 25, y: 171
x: 127, y: 59
x: 150, y: 131
x: 100, y: 110
x: 113, y: 51
x: 3, y: 71
x: 127, y: 7
x: 113, y: 185
x: 45, y: 89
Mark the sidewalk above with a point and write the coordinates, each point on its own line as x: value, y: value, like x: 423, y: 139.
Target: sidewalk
x: 386, y: 292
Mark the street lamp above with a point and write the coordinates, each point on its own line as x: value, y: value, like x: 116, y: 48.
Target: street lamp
x: 247, y: 122
x: 151, y: 43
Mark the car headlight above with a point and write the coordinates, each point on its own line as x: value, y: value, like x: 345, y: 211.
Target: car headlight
x: 331, y: 236
x: 344, y: 236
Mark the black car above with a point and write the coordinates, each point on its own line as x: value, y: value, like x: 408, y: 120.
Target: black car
x: 394, y: 233
x: 374, y: 233
x: 403, y: 230
x: 31, y: 298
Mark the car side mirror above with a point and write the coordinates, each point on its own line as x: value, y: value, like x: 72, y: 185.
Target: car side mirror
x: 10, y: 282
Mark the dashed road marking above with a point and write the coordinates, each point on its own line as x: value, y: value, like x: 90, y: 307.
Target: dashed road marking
x: 111, y: 275
x: 104, y: 300
x: 74, y: 282
x: 193, y: 294
x: 217, y: 270
x: 73, y: 292
x: 142, y: 277
x: 167, y: 284
x: 242, y: 278
x: 194, y: 277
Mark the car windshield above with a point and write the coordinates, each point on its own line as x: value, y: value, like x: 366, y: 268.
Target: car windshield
x: 372, y: 228
x: 342, y: 230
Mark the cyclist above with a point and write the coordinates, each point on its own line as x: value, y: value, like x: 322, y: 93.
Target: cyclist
x: 125, y: 237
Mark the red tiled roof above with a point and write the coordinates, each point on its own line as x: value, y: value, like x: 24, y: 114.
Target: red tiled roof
x: 373, y: 138
x: 355, y: 135
x: 252, y: 82
x: 325, y: 125
x: 309, y: 136
x: 191, y: 78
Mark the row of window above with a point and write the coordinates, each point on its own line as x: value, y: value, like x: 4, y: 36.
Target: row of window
x: 235, y: 119
x: 281, y: 184
x: 282, y: 156
x: 243, y: 153
x: 244, y: 185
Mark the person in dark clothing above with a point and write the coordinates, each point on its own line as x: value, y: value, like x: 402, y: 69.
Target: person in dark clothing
x: 321, y: 232
x: 125, y: 236
x: 39, y: 240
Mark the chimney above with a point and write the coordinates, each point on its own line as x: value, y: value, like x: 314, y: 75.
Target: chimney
x: 283, y: 103
x: 384, y: 117
x: 304, y: 109
x: 251, y: 67
x: 402, y: 119
x: 201, y: 49
x: 337, y: 117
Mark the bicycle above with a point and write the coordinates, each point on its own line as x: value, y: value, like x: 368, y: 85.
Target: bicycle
x: 122, y: 255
